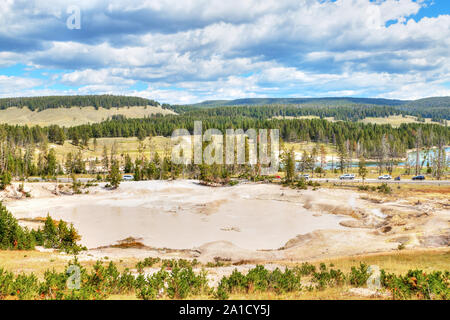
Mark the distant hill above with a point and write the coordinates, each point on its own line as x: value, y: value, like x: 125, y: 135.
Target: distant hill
x: 81, y: 109
x: 435, y: 102
x: 96, y: 101
x: 75, y: 110
x: 74, y: 116
x: 331, y: 101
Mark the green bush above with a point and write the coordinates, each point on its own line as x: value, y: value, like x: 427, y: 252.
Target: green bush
x: 259, y: 279
x: 146, y: 263
x: 301, y: 184
x: 5, y: 180
x: 306, y: 269
x: 180, y: 282
x: 328, y: 278
x: 53, y: 235
x: 384, y: 188
x: 359, y: 276
x: 418, y: 284
x: 60, y: 236
x: 12, y: 235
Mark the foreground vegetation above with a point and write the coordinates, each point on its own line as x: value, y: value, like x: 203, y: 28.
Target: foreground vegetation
x: 183, y: 279
x: 176, y: 279
x: 56, y: 235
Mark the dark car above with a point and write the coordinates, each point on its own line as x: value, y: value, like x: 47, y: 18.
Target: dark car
x: 419, y: 178
x: 397, y: 178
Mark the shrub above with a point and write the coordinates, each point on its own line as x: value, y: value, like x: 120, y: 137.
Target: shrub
x: 146, y: 263
x: 60, y: 236
x: 182, y: 281
x: 306, y: 269
x: 25, y: 287
x: 301, y: 184
x: 221, y: 293
x: 5, y: 180
x: 12, y: 235
x: 330, y: 278
x: 259, y: 279
x: 359, y: 276
x: 6, y: 283
x: 434, y: 285
x: 384, y: 188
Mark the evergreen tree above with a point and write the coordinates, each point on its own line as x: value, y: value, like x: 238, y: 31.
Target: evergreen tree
x: 362, y: 168
x: 289, y: 165
x: 114, y: 176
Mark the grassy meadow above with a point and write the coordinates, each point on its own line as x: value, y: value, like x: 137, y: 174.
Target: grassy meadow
x: 73, y: 116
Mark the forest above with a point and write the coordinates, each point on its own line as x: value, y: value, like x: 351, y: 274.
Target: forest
x: 351, y: 109
x: 357, y: 139
x: 96, y: 101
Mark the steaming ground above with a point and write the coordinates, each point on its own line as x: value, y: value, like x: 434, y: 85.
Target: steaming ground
x: 258, y: 222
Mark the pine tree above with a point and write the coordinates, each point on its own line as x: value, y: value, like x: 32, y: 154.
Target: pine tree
x: 105, y: 159
x: 362, y: 168
x: 114, y: 176
x: 289, y: 165
x: 50, y: 233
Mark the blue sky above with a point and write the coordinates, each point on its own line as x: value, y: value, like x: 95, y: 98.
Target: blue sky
x: 187, y: 52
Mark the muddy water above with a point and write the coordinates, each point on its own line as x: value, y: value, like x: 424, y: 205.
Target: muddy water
x: 182, y: 215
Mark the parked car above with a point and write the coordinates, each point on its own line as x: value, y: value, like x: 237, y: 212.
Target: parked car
x: 127, y: 177
x: 303, y: 176
x: 347, y: 176
x: 398, y: 178
x: 419, y: 177
x: 385, y: 177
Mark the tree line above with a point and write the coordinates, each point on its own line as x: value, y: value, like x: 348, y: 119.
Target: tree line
x: 346, y: 112
x: 96, y: 101
x: 352, y: 139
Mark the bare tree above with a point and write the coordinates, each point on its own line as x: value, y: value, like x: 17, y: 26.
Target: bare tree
x: 418, y: 147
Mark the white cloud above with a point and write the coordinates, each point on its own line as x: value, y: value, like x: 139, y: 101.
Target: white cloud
x: 9, y: 84
x: 194, y: 50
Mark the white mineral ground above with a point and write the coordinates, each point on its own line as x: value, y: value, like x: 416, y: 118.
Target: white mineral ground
x: 252, y: 222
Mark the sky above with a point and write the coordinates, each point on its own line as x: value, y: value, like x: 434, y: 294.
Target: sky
x: 183, y: 52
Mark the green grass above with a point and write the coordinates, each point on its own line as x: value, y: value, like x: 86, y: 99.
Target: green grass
x: 123, y: 146
x: 395, y: 121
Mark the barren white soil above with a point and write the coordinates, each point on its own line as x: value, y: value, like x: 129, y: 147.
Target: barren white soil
x: 245, y: 222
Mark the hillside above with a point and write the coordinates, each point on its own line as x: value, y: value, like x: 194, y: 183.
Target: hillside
x: 331, y: 101
x: 75, y: 110
x: 434, y: 108
x: 75, y: 115
x: 96, y: 101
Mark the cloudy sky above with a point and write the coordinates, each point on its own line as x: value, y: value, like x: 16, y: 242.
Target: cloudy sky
x: 193, y: 50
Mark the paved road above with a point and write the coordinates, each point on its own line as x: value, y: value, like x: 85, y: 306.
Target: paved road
x: 356, y: 180
x: 405, y: 181
x: 62, y: 180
